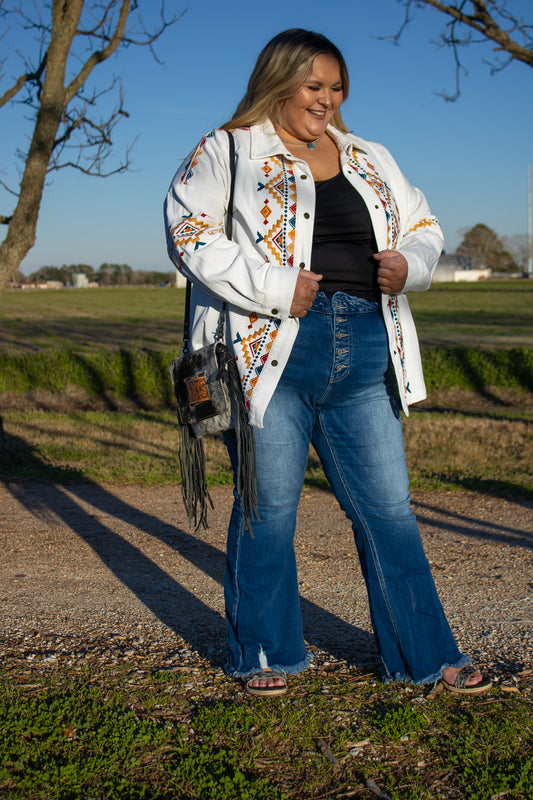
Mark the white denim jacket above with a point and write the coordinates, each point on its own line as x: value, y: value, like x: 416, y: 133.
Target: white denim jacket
x: 255, y: 272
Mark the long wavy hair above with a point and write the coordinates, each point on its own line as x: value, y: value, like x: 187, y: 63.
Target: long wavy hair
x: 281, y: 68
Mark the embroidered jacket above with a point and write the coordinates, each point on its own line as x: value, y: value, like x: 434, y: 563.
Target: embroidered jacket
x: 255, y: 272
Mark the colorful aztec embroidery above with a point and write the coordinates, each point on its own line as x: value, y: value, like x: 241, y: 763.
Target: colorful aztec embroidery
x: 425, y: 222
x: 276, y: 187
x: 188, y: 172
x: 253, y: 350
x: 392, y: 305
x: 191, y: 230
x: 368, y: 173
x: 278, y: 210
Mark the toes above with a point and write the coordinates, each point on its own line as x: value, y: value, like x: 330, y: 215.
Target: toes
x: 266, y: 683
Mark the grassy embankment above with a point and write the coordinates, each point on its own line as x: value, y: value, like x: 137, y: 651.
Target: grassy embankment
x: 86, y: 391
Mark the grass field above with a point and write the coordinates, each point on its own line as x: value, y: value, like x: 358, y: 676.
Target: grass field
x: 70, y: 357
x: 494, y: 314
x: 88, y: 319
x: 490, y: 315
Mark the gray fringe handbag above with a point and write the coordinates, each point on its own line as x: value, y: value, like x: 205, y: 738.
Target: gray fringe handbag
x: 209, y: 400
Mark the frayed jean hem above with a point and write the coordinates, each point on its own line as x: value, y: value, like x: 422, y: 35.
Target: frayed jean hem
x: 289, y: 670
x: 397, y: 677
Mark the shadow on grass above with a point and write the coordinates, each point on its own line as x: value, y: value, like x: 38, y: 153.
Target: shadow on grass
x: 517, y: 366
x: 170, y: 601
x: 473, y: 368
x: 140, y: 377
x: 496, y: 415
x: 135, y: 371
x: 94, y: 380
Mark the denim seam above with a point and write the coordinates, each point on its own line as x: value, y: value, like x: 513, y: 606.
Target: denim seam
x: 362, y: 521
x: 235, y: 580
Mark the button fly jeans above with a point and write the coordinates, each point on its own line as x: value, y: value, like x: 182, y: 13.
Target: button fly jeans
x: 336, y: 392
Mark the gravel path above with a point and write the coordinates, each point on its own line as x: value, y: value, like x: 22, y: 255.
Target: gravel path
x: 93, y: 572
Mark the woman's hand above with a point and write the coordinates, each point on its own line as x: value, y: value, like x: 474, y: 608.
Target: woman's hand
x: 304, y: 292
x: 392, y: 271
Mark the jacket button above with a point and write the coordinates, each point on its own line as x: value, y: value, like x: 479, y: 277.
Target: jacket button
x: 307, y: 215
x: 274, y: 311
x: 302, y: 264
x: 274, y: 363
x: 303, y: 177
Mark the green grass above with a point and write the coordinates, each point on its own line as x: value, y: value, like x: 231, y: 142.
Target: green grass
x: 138, y: 375
x: 495, y: 314
x: 474, y: 369
x: 142, y: 376
x: 96, y: 363
x: 491, y: 314
x: 142, y: 448
x: 125, y: 734
x: 73, y: 740
x: 89, y: 319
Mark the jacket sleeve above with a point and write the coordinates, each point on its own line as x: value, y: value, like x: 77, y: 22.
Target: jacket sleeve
x: 421, y: 244
x: 421, y: 240
x: 195, y: 212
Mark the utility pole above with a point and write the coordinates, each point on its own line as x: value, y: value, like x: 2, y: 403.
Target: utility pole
x: 529, y: 226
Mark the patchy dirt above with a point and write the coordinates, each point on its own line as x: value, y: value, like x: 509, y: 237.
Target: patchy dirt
x: 73, y: 399
x: 512, y: 401
x: 491, y: 400
x: 113, y: 572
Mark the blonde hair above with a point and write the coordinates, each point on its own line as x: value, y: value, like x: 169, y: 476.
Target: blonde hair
x: 281, y: 68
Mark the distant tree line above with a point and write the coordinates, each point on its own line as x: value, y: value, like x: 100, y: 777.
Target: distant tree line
x: 480, y: 248
x: 105, y: 275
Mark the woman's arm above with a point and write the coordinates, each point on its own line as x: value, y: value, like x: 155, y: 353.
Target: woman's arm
x: 195, y: 212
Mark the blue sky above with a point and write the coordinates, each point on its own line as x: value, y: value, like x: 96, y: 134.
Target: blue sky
x: 469, y: 157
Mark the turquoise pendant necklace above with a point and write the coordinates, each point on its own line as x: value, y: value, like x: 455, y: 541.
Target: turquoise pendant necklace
x: 310, y: 145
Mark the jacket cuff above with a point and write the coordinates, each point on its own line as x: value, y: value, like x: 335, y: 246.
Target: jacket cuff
x: 277, y: 299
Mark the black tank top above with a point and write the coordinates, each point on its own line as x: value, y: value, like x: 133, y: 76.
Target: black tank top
x: 343, y: 240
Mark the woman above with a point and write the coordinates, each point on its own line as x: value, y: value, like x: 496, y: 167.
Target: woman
x: 328, y: 235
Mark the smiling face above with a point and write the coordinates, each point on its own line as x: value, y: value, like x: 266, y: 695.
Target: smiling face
x: 305, y: 116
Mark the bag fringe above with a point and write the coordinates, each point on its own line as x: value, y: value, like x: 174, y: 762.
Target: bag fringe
x: 246, y: 465
x: 193, y: 478
x: 194, y: 489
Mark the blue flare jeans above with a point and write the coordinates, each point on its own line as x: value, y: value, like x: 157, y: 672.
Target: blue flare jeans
x: 337, y: 393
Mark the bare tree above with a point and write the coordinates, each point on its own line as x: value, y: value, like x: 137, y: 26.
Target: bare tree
x: 73, y: 38
x: 473, y: 22
x: 518, y: 247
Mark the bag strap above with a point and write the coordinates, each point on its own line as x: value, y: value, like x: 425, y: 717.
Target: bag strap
x: 229, y: 233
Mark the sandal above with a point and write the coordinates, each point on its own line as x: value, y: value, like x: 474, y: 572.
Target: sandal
x: 265, y: 691
x: 460, y: 685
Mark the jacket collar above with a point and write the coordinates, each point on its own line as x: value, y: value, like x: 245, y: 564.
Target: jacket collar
x: 265, y: 142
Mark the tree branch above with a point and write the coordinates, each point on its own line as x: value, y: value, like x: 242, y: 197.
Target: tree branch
x: 23, y: 80
x: 100, y: 55
x: 488, y: 18
x: 116, y: 38
x: 484, y: 23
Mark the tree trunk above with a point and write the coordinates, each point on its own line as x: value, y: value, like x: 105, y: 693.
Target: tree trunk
x: 23, y: 224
